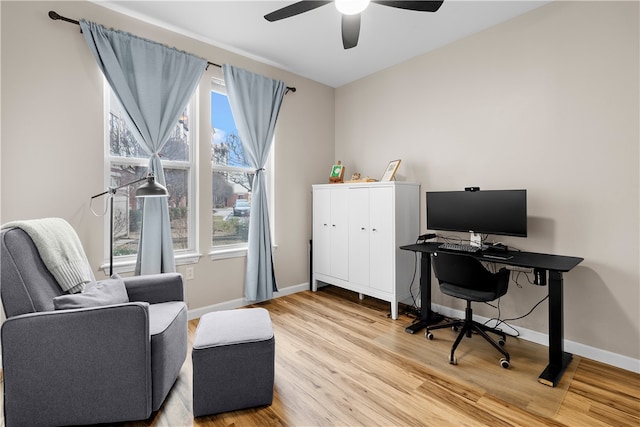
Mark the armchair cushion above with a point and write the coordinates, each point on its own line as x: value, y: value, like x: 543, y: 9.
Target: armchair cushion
x: 168, y: 330
x: 96, y: 294
x: 155, y: 288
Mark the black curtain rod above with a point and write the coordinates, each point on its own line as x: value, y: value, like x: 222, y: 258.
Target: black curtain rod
x: 55, y: 16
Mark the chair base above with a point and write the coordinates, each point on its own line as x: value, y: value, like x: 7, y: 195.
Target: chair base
x: 469, y: 326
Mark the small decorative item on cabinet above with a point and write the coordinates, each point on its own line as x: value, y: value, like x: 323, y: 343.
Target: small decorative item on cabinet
x: 391, y: 170
x: 337, y: 173
x: 356, y: 177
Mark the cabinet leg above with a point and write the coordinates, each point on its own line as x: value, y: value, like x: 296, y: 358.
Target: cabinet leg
x: 394, y: 310
x: 360, y: 297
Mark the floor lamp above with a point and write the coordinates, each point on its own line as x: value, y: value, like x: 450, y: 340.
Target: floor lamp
x: 150, y: 189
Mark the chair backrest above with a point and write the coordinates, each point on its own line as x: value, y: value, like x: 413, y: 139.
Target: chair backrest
x: 26, y: 285
x: 467, y: 272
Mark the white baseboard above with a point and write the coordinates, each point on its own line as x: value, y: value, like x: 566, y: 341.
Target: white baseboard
x: 593, y: 353
x: 242, y: 302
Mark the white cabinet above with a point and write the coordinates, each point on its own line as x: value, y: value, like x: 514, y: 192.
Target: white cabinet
x: 330, y: 235
x: 357, y: 231
x: 371, y: 237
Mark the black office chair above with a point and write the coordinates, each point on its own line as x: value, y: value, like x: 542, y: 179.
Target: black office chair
x: 466, y: 278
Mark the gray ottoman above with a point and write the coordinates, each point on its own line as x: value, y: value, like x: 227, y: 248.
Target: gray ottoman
x: 233, y: 361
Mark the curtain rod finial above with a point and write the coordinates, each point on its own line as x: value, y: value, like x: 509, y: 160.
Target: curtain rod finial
x: 55, y: 16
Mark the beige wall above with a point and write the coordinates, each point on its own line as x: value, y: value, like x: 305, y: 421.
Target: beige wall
x: 53, y: 145
x: 548, y: 102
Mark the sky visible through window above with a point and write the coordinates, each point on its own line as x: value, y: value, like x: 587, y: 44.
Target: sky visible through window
x: 221, y: 112
x: 221, y: 117
x: 225, y: 130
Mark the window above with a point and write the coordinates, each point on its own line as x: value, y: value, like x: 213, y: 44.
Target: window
x: 232, y: 176
x: 127, y: 161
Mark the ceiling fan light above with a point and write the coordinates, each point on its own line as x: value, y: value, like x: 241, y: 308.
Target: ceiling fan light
x: 351, y: 7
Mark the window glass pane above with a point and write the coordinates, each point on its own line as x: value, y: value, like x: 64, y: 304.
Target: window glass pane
x: 232, y: 175
x: 122, y: 142
x: 127, y: 208
x: 128, y: 162
x: 231, y: 208
x: 178, y: 186
x: 177, y: 147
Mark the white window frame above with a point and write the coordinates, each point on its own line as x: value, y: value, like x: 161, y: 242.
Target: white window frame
x: 190, y: 255
x: 240, y: 249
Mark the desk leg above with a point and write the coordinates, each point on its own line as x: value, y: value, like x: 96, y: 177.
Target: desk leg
x: 558, y: 358
x: 427, y: 317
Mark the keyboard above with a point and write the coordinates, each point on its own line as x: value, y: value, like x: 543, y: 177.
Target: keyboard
x: 460, y: 247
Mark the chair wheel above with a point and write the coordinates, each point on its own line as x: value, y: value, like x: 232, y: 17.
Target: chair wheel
x: 429, y: 335
x: 505, y: 363
x: 502, y: 342
x: 454, y: 328
x: 453, y: 360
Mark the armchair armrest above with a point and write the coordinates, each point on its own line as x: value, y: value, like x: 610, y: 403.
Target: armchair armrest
x: 155, y: 288
x: 53, y: 362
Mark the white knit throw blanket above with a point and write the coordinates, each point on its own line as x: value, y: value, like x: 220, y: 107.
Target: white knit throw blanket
x: 60, y: 249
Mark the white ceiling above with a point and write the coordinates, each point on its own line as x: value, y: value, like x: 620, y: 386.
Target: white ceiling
x: 310, y: 44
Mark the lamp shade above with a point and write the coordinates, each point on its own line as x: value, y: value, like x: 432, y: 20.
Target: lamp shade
x: 151, y: 188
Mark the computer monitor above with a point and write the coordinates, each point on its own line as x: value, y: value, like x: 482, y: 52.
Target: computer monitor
x: 501, y: 212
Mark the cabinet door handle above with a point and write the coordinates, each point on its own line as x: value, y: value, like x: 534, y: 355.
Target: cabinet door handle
x: 362, y: 229
x: 374, y: 229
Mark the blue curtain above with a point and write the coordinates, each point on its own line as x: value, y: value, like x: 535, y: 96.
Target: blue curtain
x: 255, y: 101
x: 153, y: 83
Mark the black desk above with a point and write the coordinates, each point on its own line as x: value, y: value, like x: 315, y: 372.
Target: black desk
x: 554, y: 265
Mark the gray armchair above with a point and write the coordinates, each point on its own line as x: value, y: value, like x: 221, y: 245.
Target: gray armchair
x: 88, y: 365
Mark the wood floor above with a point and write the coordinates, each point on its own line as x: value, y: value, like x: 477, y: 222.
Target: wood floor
x: 332, y: 371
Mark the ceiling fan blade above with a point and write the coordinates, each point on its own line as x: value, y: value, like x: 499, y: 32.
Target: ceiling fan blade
x: 419, y: 6
x: 350, y: 30
x: 294, y: 9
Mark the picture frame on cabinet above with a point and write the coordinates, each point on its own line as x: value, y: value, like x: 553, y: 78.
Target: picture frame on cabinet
x: 390, y: 172
x: 337, y: 173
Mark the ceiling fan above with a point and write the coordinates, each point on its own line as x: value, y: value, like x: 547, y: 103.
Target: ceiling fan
x: 350, y: 10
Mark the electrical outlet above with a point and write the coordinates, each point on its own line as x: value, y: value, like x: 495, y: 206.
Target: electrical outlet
x: 189, y: 273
